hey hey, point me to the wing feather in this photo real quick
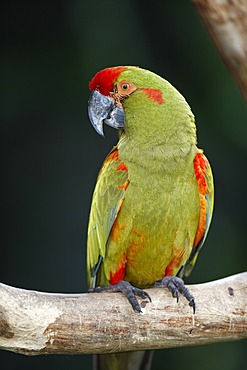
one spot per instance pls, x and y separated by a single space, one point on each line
107 199
204 179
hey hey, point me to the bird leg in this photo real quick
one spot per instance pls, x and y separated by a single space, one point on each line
176 286
127 289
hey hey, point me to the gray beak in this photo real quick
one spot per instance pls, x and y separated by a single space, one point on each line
102 109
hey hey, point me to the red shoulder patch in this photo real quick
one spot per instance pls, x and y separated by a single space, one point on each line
200 167
154 94
122 167
104 80
113 156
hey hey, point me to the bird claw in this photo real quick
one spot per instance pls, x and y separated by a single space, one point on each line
128 290
176 286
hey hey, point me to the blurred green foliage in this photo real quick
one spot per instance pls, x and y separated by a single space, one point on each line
50 154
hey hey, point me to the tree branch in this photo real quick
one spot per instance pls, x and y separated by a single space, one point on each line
226 22
35 323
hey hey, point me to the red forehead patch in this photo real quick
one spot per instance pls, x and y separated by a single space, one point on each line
104 80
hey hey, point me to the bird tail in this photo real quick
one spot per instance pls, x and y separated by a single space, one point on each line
138 360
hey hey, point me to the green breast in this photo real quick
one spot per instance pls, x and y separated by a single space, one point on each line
159 219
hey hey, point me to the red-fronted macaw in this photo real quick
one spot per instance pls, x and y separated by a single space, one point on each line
153 200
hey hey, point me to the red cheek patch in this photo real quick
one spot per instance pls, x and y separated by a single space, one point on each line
154 94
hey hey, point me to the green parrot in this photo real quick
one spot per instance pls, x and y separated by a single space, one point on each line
153 200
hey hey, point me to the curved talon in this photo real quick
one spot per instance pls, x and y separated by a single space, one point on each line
128 290
176 285
141 293
193 305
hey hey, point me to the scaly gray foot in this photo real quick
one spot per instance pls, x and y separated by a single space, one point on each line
127 289
176 287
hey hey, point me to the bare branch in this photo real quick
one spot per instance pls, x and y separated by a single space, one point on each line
35 323
226 22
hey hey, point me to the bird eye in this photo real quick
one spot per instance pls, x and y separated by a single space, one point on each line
125 86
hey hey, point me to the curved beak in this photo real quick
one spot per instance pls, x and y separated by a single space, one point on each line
102 109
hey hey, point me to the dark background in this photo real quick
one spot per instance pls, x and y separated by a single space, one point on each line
50 154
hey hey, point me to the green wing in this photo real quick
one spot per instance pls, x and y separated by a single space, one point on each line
106 203
205 183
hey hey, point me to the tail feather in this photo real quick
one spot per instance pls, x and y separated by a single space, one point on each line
138 360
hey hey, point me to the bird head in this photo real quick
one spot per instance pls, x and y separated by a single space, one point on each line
155 107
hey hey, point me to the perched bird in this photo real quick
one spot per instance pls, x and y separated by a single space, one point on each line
153 200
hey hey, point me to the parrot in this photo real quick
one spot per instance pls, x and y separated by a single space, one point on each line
153 200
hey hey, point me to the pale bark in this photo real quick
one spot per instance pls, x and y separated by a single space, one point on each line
226 22
35 323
